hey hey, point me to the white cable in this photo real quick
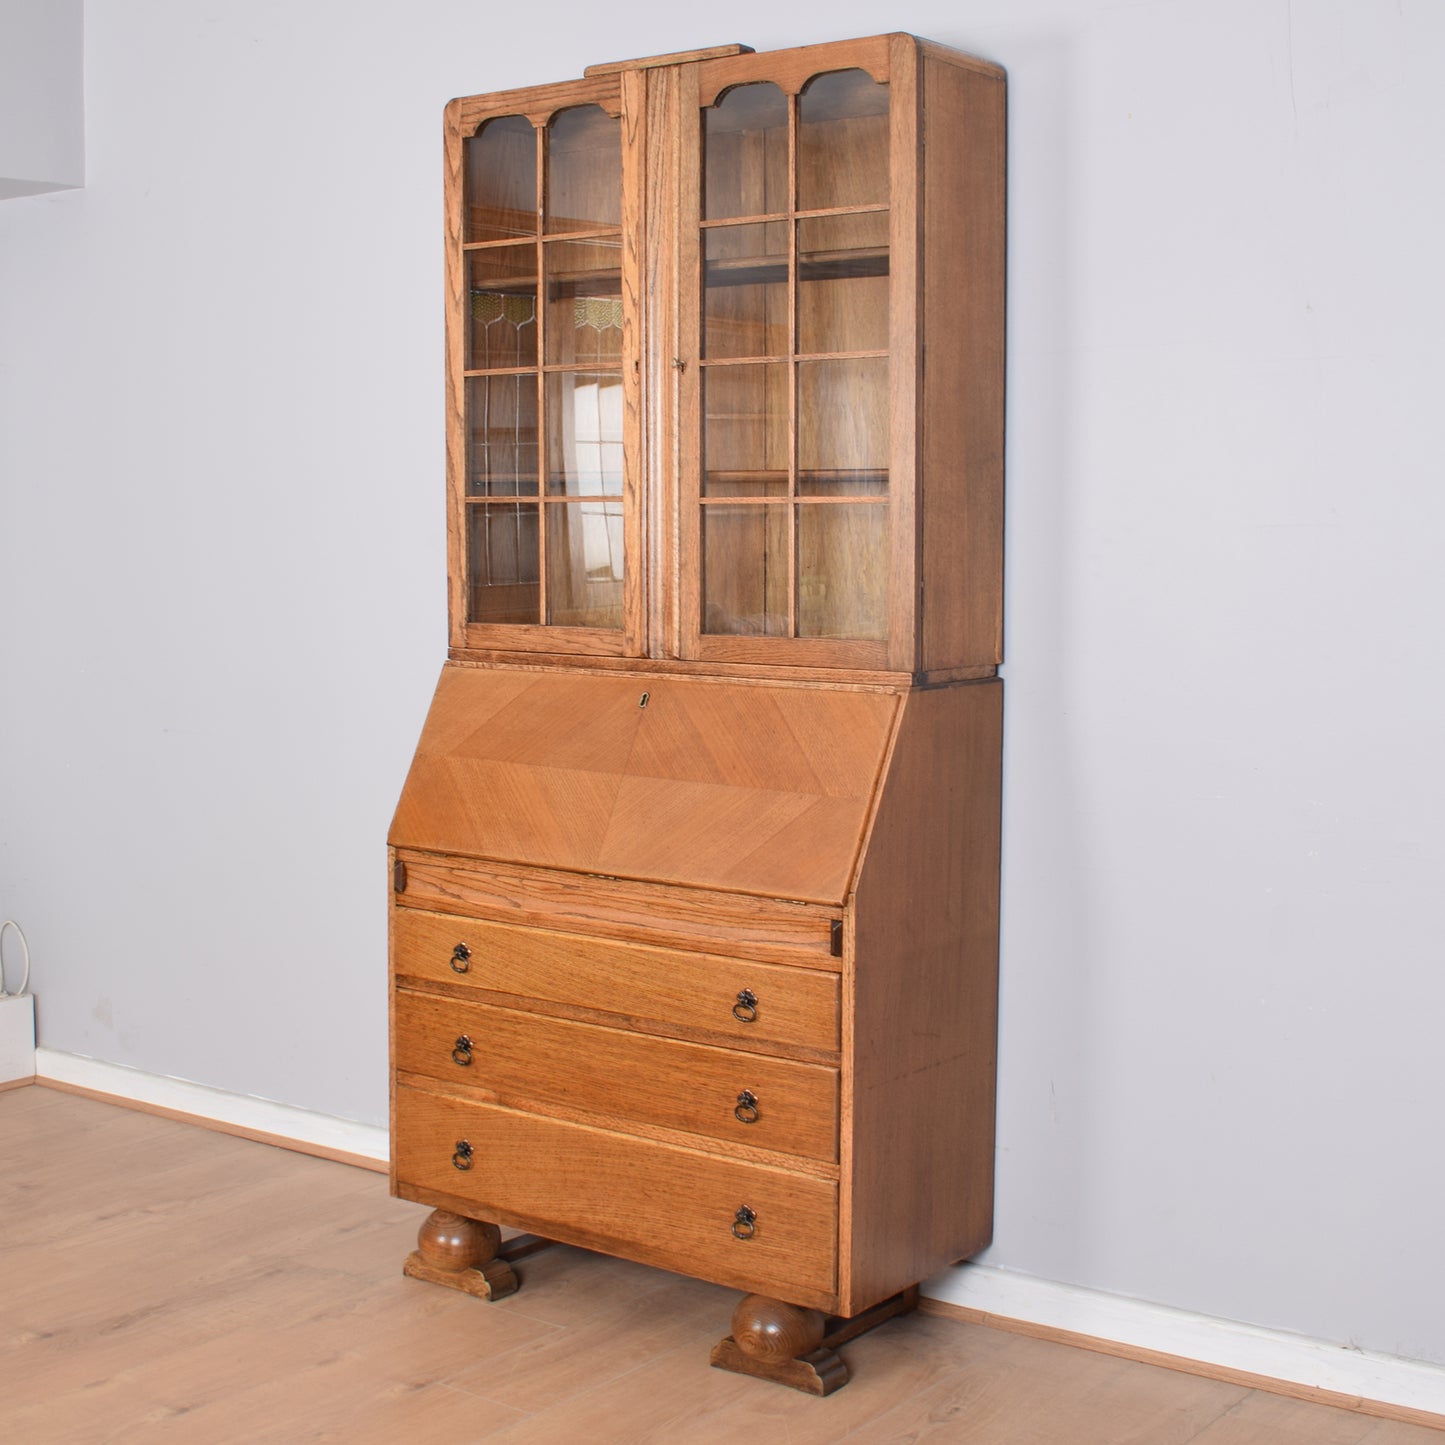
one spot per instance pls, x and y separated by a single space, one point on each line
25 977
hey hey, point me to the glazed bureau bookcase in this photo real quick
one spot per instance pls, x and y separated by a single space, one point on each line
695 872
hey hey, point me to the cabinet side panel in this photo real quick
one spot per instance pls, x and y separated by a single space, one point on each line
924 1022
963 369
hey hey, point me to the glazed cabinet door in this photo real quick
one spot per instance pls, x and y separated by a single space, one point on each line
542 396
797 245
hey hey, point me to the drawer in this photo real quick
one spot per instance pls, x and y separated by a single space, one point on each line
663 987
772 929
531 1061
632 1197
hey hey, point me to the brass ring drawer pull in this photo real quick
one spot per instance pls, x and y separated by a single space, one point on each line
462 1159
745 1223
461 959
462 1052
747 1111
745 1010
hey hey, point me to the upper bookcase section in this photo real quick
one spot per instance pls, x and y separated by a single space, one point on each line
725 358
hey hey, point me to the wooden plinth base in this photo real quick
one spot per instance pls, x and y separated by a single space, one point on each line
467 1254
797 1347
491 1280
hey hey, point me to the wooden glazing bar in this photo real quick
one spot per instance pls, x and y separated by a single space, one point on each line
807 356
610 367
905 114
542 324
802 501
792 364
800 214
636 317
685 618
456 438
600 233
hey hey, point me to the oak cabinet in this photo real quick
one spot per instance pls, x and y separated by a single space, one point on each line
695 871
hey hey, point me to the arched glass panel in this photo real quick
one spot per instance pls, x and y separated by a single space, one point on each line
501 180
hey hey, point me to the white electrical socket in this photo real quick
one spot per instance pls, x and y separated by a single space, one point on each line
17 1037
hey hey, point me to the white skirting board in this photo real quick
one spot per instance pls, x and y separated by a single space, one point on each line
262 1116
1225 1344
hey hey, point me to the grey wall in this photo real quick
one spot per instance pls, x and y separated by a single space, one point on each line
221 594
42 113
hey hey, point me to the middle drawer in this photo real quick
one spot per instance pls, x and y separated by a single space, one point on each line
538 1063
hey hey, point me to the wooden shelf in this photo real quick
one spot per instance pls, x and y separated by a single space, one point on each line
812 266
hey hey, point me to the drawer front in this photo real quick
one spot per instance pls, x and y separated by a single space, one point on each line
632 1197
529 1061
745 1001
687 918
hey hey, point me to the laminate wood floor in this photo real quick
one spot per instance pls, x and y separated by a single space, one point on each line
160 1282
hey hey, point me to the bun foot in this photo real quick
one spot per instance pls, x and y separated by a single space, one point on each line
462 1254
783 1343
797 1347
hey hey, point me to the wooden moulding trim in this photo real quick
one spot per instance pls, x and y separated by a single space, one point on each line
539 103
791 70
931 50
821 651
1315 1394
220 1126
18 1083
676 57
832 678
583 641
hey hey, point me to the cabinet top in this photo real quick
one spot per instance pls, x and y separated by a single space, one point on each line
675 57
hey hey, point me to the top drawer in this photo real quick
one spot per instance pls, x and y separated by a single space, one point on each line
747 1002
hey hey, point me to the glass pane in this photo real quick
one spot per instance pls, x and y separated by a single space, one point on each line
745 151
502 292
842 570
842 422
745 570
843 283
745 426
584 564
584 301
584 170
584 433
502 436
501 180
842 141
745 290
502 563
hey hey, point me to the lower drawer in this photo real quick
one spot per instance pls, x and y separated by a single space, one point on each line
677 1208
745 1001
529 1061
